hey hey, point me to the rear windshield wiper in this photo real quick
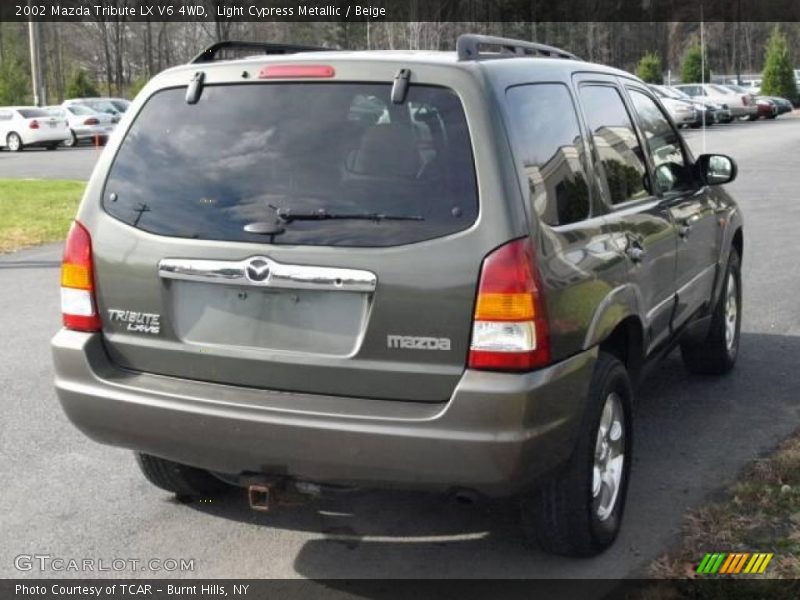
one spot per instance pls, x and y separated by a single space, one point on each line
287 216
284 216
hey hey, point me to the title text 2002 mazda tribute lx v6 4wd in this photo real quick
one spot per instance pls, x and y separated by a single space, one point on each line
427 269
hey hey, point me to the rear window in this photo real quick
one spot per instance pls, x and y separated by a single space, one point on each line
720 89
33 113
120 105
246 154
77 109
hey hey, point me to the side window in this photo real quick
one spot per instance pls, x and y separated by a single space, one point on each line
616 143
549 144
671 169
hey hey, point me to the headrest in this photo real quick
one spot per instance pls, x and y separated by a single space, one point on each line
388 150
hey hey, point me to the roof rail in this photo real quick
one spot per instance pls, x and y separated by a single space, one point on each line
214 51
468 48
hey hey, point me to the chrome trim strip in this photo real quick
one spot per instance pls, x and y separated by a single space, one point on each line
281 276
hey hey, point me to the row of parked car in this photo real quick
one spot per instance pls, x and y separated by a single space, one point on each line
703 104
74 121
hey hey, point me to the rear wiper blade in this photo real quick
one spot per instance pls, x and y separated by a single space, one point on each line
287 216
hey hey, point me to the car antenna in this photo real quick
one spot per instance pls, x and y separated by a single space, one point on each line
195 89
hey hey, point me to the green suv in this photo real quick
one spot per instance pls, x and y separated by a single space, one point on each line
305 269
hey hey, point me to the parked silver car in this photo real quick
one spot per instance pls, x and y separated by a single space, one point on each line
741 105
84 123
718 112
683 112
109 106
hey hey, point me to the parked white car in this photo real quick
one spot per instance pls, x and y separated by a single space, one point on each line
84 123
26 126
740 105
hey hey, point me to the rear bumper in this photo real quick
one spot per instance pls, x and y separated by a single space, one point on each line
744 111
34 137
497 434
92 131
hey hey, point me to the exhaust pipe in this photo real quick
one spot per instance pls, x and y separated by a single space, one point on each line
262 497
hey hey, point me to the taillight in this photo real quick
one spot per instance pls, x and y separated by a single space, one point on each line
510 331
745 100
34 124
296 71
91 121
78 306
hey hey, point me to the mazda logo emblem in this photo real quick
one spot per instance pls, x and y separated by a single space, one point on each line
257 270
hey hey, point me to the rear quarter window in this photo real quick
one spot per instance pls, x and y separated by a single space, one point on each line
548 143
247 152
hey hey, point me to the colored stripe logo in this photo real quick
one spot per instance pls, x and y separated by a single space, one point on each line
734 563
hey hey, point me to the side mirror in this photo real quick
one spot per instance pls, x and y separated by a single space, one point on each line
716 169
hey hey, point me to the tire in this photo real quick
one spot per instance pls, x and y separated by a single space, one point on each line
71 142
14 142
183 481
717 353
563 516
752 118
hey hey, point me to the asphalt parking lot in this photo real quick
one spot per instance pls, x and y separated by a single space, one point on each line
68 497
38 163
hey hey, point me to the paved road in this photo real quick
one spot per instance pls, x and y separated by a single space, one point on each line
70 497
38 163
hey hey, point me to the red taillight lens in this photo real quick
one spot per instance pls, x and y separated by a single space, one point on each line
296 71
510 331
34 124
91 121
745 100
78 306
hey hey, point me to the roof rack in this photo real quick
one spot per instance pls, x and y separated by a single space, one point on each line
468 48
216 51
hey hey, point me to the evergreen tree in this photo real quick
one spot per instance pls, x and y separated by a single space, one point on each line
778 76
649 68
80 85
692 69
14 83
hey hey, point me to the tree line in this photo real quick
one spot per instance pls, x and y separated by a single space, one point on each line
116 57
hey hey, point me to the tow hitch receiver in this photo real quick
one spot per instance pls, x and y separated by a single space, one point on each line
262 497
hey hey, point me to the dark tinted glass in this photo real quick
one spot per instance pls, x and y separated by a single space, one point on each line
615 140
550 146
663 143
33 113
244 152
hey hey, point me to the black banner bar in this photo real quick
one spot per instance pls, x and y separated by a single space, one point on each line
401 10
711 588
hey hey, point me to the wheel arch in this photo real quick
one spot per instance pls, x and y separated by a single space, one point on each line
617 328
